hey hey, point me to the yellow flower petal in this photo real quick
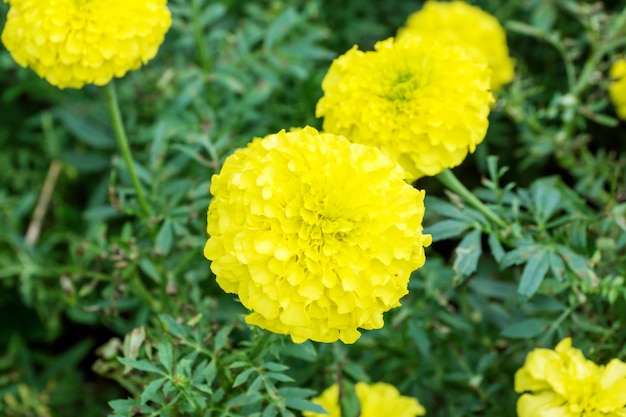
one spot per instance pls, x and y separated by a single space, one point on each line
72 43
332 246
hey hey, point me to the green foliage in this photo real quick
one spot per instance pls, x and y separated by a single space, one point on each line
110 310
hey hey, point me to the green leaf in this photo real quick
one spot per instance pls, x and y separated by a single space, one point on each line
149 392
557 266
79 120
519 255
301 404
496 247
276 367
578 264
525 329
534 272
546 199
296 392
443 208
221 338
305 351
467 254
141 365
280 27
165 354
270 411
85 162
446 229
243 377
279 377
172 326
420 337
165 238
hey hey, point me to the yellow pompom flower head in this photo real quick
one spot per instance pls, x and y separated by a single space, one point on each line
466 25
562 382
376 400
426 103
316 235
72 43
617 88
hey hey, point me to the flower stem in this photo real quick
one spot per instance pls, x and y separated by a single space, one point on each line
122 141
450 180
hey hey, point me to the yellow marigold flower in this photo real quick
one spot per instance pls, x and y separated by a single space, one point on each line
379 399
617 88
466 25
71 43
426 103
318 236
561 382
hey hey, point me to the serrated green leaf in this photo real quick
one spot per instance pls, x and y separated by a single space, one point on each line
557 266
467 254
496 247
546 199
141 365
150 390
221 338
578 264
519 255
446 229
165 354
534 272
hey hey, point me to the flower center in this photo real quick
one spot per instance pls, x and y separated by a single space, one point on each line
403 86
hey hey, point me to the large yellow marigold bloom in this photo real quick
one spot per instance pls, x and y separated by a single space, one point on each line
376 400
617 88
318 236
71 43
426 103
561 382
466 25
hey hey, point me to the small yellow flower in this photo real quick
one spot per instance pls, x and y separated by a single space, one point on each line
617 88
376 400
426 103
466 25
561 382
71 43
317 236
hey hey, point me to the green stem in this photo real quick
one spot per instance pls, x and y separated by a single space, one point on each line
448 179
122 141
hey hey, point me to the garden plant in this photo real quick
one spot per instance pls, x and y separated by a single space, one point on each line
308 208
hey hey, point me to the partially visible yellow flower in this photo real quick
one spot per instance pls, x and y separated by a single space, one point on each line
561 382
617 88
376 400
426 103
71 43
318 236
466 25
